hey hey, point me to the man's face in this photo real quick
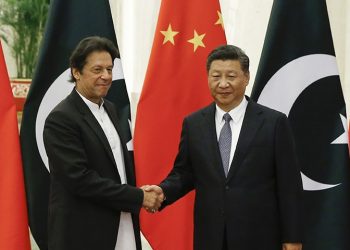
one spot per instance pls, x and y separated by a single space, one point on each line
227 83
95 79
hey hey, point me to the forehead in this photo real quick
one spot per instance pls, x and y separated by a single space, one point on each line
225 65
98 57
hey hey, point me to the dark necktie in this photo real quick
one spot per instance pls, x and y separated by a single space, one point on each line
225 140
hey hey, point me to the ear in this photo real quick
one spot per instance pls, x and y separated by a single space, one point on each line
247 75
76 74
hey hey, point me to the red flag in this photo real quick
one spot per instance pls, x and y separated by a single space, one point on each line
175 85
14 232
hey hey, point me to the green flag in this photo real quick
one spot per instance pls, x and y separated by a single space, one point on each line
298 75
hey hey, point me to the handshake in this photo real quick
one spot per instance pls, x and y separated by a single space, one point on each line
153 197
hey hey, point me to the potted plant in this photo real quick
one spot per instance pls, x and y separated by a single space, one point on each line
21 28
22 24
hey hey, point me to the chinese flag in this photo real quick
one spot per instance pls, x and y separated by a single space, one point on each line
175 85
14 232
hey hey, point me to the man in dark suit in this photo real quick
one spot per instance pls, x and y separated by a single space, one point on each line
240 159
94 203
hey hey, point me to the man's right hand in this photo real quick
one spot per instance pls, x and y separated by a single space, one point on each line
153 197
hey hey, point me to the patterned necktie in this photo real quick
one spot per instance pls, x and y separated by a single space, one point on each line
225 140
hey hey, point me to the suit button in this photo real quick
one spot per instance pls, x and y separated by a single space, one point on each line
227 187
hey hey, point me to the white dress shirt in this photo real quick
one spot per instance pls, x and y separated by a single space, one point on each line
126 237
237 115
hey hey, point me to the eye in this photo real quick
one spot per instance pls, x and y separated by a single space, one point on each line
109 70
96 70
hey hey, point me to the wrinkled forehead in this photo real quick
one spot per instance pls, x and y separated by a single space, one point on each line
227 65
102 58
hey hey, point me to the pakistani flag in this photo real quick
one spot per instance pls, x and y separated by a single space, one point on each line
298 76
69 21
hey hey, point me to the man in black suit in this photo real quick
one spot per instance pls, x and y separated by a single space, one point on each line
94 203
240 159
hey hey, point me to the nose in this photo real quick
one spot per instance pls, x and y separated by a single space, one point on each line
106 74
223 83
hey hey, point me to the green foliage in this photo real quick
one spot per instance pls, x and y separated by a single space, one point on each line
22 25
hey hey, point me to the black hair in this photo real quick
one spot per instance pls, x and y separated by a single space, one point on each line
87 46
229 52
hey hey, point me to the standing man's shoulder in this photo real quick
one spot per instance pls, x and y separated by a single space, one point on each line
66 109
269 112
203 112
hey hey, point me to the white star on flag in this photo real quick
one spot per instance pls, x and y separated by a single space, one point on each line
343 138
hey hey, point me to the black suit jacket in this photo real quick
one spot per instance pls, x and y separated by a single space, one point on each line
258 204
86 195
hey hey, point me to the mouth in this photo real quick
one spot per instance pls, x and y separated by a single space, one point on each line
225 93
104 85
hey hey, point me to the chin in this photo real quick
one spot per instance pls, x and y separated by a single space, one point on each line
225 102
104 93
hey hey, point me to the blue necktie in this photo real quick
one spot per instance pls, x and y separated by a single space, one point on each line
225 140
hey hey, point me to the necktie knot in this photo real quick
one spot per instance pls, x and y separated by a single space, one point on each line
227 117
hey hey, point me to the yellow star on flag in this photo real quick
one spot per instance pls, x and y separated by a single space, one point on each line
197 40
220 21
169 35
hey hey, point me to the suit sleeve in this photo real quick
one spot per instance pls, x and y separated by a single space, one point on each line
180 180
289 186
69 167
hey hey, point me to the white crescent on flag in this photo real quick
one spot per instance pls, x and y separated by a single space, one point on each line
285 86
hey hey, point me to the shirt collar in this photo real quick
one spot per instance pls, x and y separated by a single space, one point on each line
235 113
92 106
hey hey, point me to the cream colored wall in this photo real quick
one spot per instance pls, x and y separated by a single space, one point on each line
10 62
340 24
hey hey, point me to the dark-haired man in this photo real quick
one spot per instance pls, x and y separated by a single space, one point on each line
240 159
94 203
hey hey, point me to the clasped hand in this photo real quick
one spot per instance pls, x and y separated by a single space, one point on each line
153 197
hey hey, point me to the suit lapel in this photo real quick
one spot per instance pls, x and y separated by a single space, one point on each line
93 123
251 123
211 138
